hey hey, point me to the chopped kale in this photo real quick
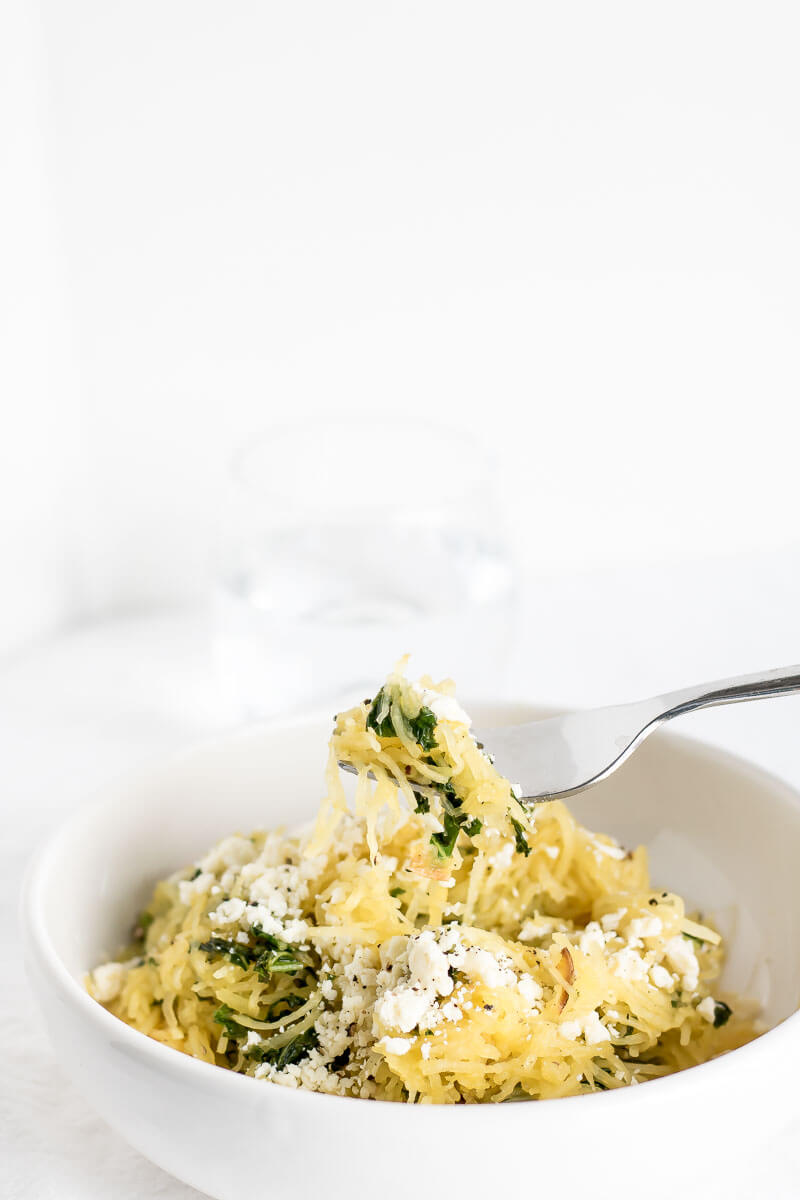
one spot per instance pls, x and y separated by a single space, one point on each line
454 820
520 840
423 727
444 843
240 956
395 892
692 938
341 1060
197 872
268 957
265 939
722 1014
224 1017
277 962
423 803
450 797
295 1050
284 1005
378 717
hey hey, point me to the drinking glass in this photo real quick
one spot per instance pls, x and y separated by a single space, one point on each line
351 543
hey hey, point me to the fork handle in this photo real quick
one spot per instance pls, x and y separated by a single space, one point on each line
782 681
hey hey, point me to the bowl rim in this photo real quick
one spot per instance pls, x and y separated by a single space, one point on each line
38 946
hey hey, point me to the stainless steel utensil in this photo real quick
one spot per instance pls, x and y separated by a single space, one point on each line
557 757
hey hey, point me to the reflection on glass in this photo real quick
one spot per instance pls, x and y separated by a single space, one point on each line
349 544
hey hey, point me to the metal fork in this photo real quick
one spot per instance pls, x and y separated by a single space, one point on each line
557 757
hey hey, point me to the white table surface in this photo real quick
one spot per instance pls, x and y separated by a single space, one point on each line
99 700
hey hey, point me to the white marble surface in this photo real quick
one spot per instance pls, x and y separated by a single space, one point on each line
102 699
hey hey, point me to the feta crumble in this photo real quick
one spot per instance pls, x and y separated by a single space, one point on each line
396 1045
680 955
642 927
227 913
108 981
708 1009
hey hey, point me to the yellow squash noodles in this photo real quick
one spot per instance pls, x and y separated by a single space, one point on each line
431 941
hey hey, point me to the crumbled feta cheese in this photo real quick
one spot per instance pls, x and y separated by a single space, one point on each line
681 956
627 963
228 912
403 1008
594 1031
592 1028
642 927
707 1009
231 852
552 851
190 889
429 959
451 1011
570 1029
271 892
503 858
661 977
253 1039
425 1050
428 964
591 936
532 929
108 981
288 931
396 1045
446 708
487 969
610 921
529 989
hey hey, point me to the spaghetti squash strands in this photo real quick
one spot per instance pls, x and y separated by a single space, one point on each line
428 947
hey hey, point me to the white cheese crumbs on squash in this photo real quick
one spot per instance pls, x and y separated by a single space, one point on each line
707 1009
107 981
681 956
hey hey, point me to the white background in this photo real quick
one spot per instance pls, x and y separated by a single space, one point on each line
570 229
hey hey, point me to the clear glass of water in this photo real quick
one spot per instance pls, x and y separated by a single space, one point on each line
348 544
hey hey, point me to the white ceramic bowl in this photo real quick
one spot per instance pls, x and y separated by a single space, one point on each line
723 833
